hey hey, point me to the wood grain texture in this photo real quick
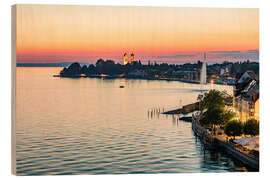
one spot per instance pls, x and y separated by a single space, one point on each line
13 88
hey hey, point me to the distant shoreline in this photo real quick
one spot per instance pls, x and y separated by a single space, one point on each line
61 64
136 78
39 65
133 78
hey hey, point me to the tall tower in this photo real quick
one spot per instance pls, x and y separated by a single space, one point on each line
125 59
131 58
203 70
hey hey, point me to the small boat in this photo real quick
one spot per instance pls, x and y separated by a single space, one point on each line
121 86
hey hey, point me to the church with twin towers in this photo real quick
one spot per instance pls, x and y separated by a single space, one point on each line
128 61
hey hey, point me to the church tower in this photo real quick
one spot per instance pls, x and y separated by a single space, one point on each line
131 58
125 59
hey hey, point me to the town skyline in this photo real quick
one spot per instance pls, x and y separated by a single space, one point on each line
170 34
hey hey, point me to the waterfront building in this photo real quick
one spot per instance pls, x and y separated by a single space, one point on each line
247 109
222 71
185 74
246 96
246 77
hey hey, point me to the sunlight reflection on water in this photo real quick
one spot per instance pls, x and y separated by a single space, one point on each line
91 126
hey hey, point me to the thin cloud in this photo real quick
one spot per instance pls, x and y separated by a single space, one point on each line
244 55
224 52
251 54
178 56
253 51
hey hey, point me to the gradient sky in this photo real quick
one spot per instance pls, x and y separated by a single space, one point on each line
53 33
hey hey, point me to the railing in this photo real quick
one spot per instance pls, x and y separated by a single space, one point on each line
200 131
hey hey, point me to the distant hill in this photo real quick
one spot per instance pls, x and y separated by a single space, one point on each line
61 64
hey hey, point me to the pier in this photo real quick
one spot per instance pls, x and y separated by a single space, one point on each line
185 109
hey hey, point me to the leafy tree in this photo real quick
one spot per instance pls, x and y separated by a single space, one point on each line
228 99
200 98
213 109
228 116
212 117
73 70
91 69
234 128
100 66
84 70
212 99
251 127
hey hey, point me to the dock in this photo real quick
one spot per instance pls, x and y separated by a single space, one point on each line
185 109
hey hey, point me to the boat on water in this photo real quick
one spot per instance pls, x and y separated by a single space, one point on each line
121 86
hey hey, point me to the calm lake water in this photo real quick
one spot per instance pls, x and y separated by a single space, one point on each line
91 126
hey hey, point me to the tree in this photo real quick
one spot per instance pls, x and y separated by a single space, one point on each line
212 99
251 127
92 69
234 128
228 116
84 70
200 98
212 109
212 117
73 70
100 66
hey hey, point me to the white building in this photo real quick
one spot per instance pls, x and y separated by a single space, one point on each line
246 97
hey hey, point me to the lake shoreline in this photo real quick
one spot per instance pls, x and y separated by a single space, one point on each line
99 126
136 78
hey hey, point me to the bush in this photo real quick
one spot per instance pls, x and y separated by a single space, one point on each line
233 128
251 127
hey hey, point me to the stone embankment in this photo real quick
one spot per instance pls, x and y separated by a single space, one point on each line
247 157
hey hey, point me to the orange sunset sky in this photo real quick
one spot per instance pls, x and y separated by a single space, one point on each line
54 33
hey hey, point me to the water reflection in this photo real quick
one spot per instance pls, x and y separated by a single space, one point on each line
213 160
154 113
91 126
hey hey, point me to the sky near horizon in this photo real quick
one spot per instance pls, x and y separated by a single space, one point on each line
55 33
